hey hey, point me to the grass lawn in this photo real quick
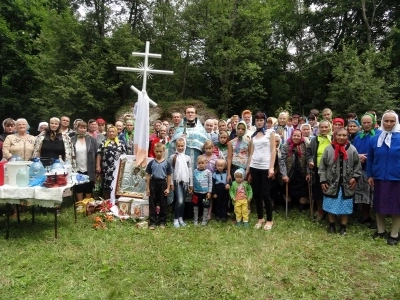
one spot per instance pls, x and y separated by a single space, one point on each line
296 260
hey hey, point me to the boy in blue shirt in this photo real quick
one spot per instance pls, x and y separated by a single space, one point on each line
202 188
220 191
158 181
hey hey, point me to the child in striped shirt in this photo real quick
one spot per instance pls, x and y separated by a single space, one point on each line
202 187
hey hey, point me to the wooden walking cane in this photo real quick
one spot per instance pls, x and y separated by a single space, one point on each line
287 197
311 198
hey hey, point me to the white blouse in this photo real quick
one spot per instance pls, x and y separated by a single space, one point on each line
81 156
261 151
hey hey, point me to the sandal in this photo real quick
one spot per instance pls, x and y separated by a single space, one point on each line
258 225
268 226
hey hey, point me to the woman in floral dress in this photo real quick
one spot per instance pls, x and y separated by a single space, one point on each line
108 154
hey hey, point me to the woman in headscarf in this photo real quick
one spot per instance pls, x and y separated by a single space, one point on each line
364 192
337 123
314 154
260 169
127 136
53 144
339 170
383 173
293 167
353 128
42 127
306 132
108 154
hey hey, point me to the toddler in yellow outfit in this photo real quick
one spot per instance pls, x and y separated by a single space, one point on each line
241 194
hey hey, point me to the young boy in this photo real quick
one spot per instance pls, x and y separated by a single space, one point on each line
158 181
241 195
202 185
220 191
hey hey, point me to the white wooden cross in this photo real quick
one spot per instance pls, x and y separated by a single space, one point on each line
141 137
145 70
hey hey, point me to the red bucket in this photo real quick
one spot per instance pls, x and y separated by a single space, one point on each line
2 163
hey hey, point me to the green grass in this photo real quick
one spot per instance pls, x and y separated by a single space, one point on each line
296 260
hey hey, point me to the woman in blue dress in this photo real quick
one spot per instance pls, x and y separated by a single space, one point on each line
339 170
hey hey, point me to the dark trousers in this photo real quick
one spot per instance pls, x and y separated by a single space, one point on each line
157 197
220 205
260 183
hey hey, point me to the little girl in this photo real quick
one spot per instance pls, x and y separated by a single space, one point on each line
241 194
211 159
222 145
182 180
202 184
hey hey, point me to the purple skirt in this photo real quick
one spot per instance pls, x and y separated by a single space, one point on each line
387 197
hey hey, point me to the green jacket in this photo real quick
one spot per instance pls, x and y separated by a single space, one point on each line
247 187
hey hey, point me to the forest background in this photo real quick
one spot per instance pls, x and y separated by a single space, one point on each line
59 57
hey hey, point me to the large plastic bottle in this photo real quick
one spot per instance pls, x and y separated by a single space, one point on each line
22 179
15 157
36 170
57 165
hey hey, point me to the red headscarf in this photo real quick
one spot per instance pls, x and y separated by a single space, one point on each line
339 148
338 120
292 144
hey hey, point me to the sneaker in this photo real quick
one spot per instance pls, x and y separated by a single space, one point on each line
162 226
217 219
342 231
393 241
183 224
238 223
246 224
176 225
224 220
196 222
380 235
204 223
152 227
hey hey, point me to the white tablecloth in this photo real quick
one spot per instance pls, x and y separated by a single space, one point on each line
46 197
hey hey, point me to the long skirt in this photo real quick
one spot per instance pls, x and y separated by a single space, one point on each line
387 197
339 205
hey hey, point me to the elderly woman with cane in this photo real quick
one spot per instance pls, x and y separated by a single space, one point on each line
339 170
383 160
293 167
314 154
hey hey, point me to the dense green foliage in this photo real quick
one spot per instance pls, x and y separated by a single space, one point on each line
60 56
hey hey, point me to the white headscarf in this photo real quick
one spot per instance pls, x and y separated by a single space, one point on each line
386 136
42 123
181 170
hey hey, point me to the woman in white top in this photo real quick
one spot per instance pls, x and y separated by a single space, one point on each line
85 156
260 167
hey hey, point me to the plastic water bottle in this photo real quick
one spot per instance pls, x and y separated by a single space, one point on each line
15 157
68 169
36 169
22 178
57 165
